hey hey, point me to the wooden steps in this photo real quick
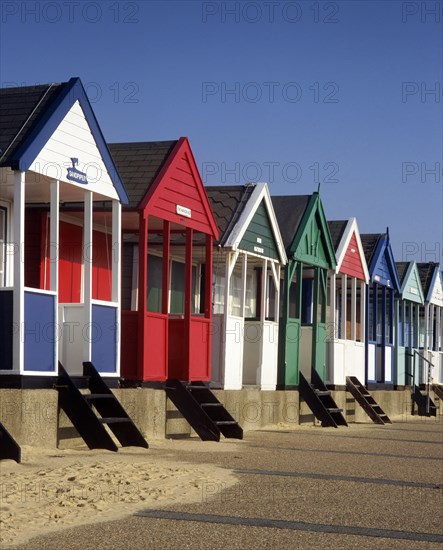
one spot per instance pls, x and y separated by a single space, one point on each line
366 401
204 412
319 399
89 413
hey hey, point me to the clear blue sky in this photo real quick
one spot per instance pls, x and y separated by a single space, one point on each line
336 92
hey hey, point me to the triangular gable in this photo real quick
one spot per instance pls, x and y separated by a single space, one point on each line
312 243
350 255
382 268
68 129
411 288
178 194
258 222
435 294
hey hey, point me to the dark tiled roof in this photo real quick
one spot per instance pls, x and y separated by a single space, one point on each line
369 243
402 268
138 165
20 109
227 203
336 230
289 211
426 272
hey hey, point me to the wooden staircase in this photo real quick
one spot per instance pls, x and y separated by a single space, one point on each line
204 412
366 401
9 448
421 401
319 399
91 412
438 390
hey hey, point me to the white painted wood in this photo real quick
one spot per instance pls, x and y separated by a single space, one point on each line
116 273
353 308
344 293
233 352
268 371
217 338
54 235
389 355
87 279
244 275
372 351
73 139
72 343
362 311
19 272
435 295
333 308
260 192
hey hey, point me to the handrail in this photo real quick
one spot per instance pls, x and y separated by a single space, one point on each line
428 379
424 358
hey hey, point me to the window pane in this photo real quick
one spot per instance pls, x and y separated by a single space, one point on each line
155 272
177 304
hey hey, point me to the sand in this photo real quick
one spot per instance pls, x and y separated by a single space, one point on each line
54 489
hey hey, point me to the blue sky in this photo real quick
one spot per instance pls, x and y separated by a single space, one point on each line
292 93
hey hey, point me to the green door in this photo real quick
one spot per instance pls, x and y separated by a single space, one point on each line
319 322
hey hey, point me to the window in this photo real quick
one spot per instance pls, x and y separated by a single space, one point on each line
155 277
218 293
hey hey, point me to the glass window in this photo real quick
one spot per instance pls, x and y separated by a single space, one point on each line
218 293
155 275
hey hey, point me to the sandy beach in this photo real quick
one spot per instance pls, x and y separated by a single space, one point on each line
54 489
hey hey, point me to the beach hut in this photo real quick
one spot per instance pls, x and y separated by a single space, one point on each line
247 262
302 331
346 311
59 270
408 302
431 323
379 324
168 233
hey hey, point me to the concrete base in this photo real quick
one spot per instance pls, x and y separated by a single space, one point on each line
33 418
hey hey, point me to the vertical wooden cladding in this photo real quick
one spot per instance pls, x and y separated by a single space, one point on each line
179 187
70 260
352 262
259 237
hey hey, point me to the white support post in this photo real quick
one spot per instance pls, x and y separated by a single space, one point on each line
353 309
264 283
54 249
116 274
362 311
227 286
19 273
276 274
344 295
332 308
87 279
243 280
431 327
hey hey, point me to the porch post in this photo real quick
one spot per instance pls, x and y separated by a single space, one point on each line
165 266
87 281
116 275
19 272
353 308
383 335
362 311
243 280
332 316
264 292
142 293
208 278
344 296
188 302
54 250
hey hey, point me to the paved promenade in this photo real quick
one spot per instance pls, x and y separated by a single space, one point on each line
362 487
